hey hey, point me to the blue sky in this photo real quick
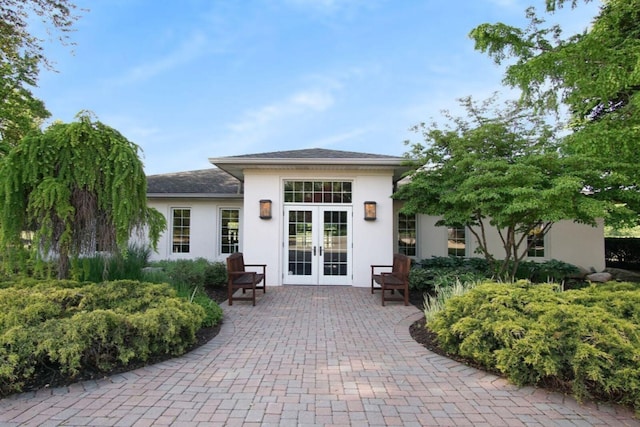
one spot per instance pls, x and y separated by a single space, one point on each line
192 79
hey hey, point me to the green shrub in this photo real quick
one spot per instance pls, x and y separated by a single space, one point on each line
195 272
552 271
535 334
189 277
69 326
451 263
433 304
421 279
607 296
216 274
213 311
428 274
155 275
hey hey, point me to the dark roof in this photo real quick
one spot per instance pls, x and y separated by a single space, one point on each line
200 183
311 158
312 153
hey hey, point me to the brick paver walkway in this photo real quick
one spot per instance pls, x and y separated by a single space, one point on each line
308 356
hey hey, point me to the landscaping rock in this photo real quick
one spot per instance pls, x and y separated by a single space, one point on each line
623 275
580 274
599 277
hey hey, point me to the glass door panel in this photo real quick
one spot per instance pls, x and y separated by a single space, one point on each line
318 245
300 247
336 244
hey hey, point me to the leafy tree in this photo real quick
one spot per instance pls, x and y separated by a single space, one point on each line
596 74
79 186
21 54
497 168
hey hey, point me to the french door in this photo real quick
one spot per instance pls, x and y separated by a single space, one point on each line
318 245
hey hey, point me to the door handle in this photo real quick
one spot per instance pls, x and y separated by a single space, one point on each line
320 250
314 251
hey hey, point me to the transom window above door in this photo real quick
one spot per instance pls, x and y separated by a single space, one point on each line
317 192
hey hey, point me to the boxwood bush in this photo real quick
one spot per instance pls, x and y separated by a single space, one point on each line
72 327
588 339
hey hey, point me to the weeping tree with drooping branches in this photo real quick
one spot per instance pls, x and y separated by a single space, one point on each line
78 187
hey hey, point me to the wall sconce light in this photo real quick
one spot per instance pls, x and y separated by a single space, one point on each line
265 209
369 211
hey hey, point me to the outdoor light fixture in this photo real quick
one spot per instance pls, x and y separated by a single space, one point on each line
369 211
265 209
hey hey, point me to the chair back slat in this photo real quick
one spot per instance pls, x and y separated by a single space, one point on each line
401 266
235 262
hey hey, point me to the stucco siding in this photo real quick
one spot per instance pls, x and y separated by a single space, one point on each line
577 244
204 241
263 237
372 240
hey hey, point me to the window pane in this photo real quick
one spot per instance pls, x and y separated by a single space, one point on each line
229 231
181 230
535 243
407 234
335 192
456 242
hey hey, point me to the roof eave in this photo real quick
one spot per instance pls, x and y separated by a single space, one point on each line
235 166
194 196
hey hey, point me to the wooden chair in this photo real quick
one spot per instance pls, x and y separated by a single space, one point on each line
239 278
390 281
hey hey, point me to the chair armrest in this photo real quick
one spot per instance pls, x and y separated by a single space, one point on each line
263 266
374 266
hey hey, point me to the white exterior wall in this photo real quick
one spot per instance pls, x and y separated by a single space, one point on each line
577 244
372 240
204 228
263 239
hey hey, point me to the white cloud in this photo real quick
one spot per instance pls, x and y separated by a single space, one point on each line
190 49
258 121
339 138
506 3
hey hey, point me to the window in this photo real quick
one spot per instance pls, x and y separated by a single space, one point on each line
317 192
456 242
229 231
181 230
407 234
535 243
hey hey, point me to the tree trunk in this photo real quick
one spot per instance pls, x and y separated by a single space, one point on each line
63 265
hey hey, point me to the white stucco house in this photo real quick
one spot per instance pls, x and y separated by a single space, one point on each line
320 217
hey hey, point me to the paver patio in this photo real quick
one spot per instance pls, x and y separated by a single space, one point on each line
307 356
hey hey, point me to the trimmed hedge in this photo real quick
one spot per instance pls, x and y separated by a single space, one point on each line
70 327
588 339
